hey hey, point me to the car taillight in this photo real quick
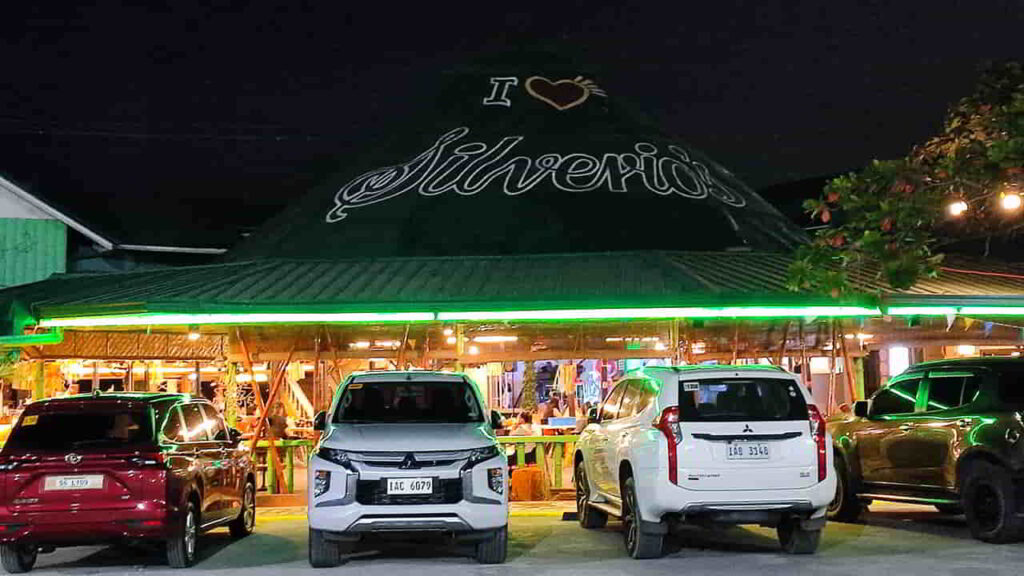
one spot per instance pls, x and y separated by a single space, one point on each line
154 459
668 423
818 433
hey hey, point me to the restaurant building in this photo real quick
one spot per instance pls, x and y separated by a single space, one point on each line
533 231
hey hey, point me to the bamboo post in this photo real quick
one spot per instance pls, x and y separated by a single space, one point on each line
848 367
832 373
262 409
805 368
401 348
735 342
782 347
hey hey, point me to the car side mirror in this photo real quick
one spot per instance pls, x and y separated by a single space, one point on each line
497 421
320 421
592 416
860 408
234 436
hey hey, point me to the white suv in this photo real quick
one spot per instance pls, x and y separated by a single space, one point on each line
407 452
706 445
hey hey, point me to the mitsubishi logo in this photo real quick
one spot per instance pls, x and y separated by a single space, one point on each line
747 428
72 458
409 463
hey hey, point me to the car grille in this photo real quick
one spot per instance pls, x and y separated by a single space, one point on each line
422 459
375 493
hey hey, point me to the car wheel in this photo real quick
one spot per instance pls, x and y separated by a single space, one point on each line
589 517
245 523
494 550
640 544
322 552
845 506
18 558
990 504
181 547
955 509
797 540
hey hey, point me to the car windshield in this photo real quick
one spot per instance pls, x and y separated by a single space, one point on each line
384 401
730 399
74 430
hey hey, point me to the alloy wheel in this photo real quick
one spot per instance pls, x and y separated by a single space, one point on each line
190 534
631 521
249 501
581 489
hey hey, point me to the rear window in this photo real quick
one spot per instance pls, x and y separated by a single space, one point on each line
78 429
408 402
731 399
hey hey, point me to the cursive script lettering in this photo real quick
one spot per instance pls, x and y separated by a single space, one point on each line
467 168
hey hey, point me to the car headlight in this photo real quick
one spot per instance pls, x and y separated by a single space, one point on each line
321 483
339 457
479 455
496 480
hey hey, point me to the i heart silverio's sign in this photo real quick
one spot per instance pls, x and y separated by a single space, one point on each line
455 164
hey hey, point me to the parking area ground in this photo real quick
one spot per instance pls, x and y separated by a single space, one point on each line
902 540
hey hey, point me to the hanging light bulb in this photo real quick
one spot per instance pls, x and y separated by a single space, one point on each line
1010 201
193 332
957 207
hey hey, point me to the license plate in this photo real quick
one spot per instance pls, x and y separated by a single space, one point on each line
747 451
410 485
86 482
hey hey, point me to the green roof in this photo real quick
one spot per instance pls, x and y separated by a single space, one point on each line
529 282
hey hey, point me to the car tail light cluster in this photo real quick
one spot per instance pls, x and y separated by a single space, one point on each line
818 433
668 423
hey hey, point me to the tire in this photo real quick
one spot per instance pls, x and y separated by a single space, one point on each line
181 547
494 550
18 558
322 552
990 504
246 522
796 540
589 517
845 505
640 544
954 509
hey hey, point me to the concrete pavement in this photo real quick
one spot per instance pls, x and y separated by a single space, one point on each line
895 539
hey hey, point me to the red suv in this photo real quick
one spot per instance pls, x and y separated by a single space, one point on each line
114 467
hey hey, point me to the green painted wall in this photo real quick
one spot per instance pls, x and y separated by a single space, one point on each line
31 250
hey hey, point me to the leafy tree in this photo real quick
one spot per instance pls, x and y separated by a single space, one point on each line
894 219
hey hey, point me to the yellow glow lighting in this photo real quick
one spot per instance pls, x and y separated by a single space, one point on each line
495 339
957 207
1010 201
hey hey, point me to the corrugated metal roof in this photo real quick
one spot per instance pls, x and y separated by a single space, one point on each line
471 283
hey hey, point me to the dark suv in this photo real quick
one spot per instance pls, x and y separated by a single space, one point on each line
121 467
944 433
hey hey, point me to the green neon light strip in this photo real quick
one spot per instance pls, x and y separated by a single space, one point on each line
487 315
624 313
44 339
200 319
993 310
922 310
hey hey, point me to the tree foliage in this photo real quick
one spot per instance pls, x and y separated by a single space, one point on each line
892 218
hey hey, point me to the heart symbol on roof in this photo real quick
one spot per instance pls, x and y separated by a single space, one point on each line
562 94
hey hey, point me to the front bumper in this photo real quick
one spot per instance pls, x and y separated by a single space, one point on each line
337 510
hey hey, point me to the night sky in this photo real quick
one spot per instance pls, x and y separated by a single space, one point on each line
216 117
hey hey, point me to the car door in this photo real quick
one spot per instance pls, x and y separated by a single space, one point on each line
599 445
617 431
225 465
943 431
885 445
205 454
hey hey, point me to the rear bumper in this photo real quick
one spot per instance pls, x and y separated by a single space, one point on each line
658 497
80 528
